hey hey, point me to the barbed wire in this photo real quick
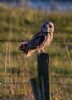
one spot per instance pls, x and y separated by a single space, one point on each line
28 82
65 76
23 41
45 82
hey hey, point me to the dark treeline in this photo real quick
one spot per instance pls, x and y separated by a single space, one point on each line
10 0
35 0
53 0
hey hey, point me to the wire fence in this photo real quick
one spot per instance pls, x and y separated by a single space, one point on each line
56 41
20 88
17 86
53 79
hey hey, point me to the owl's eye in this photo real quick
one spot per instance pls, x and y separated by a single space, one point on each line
50 26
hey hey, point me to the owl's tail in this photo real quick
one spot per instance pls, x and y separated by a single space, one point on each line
23 47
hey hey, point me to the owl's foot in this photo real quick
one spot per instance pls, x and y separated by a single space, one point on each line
40 50
29 53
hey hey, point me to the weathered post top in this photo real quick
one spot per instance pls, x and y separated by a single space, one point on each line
43 65
43 59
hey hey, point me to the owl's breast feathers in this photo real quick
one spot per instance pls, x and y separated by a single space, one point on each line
49 39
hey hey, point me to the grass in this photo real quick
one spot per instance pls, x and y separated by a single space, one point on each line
22 24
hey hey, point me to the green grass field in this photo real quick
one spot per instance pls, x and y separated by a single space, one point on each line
18 24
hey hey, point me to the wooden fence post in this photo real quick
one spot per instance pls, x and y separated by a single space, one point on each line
43 75
36 88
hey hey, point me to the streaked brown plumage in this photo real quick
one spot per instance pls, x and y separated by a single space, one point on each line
38 41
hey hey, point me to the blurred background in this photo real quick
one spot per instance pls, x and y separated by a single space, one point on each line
19 21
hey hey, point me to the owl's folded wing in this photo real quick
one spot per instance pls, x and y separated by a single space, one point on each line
36 41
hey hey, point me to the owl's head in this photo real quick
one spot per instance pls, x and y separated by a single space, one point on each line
47 27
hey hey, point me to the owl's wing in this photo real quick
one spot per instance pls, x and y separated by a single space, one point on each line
39 33
36 41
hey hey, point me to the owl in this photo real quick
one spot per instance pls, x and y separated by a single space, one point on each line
39 41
